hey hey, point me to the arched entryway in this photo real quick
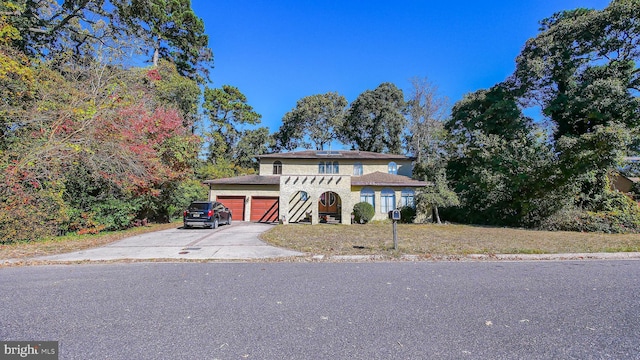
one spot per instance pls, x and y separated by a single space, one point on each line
329 207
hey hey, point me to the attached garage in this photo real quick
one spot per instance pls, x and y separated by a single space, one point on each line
264 209
235 204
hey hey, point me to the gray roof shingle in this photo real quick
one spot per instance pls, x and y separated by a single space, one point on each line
246 180
383 179
334 154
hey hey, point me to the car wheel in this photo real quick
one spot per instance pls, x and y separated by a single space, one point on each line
215 223
229 220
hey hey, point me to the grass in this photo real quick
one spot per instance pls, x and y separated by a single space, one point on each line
72 242
442 240
423 240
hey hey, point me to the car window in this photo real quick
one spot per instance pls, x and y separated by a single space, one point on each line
198 206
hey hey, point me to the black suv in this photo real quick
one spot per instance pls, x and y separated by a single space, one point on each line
206 214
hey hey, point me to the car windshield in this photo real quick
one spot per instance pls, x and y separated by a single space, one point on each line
198 206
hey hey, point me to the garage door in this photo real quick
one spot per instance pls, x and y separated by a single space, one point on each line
264 209
235 204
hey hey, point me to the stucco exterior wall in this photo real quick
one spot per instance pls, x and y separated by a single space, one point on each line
314 186
310 166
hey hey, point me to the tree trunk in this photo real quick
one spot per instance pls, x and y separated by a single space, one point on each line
156 55
437 215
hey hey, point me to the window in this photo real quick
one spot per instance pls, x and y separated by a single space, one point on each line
368 195
393 168
407 198
328 167
357 169
304 196
388 197
331 196
277 168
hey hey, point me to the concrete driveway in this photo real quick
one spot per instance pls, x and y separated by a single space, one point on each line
238 241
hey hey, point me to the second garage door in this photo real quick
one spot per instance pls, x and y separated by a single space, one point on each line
235 204
264 209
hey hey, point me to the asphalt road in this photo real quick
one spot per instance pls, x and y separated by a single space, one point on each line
404 310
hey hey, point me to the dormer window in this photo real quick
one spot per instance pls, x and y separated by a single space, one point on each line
277 168
393 168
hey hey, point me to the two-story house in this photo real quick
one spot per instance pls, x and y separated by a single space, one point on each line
317 185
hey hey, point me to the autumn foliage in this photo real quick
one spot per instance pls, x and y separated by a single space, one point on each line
90 152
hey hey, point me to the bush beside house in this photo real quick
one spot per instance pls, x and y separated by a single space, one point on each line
363 212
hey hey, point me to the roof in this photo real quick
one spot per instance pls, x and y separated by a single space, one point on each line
374 179
334 154
246 180
383 179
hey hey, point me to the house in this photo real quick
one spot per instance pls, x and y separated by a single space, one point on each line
626 184
318 186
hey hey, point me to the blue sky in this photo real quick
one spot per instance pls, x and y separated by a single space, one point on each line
279 51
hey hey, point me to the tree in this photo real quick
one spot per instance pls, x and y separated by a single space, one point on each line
582 70
168 28
51 28
501 169
316 117
375 120
426 137
252 142
436 196
16 79
93 146
229 112
174 90
171 30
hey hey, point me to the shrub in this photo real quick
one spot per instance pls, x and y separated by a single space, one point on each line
363 212
115 214
407 214
589 221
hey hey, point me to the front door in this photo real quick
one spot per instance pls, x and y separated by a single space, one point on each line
328 203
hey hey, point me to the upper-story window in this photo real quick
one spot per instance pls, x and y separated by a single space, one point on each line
393 168
277 168
357 169
328 167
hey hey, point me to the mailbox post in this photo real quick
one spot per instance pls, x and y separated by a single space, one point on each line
395 216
